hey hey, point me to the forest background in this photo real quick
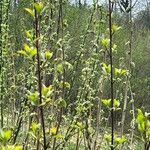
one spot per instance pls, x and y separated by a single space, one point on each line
60 62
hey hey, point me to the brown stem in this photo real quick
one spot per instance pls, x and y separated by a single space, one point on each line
40 109
111 74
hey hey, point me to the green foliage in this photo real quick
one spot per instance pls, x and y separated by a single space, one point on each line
11 147
107 103
30 11
117 140
5 135
28 51
115 28
105 42
143 123
75 71
38 7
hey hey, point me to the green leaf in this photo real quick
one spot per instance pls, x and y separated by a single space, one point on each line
53 130
141 120
115 28
48 55
140 116
148 124
27 48
119 140
47 91
80 125
105 42
141 126
38 7
33 52
106 68
114 48
33 97
29 34
11 147
106 102
120 72
59 68
35 126
107 137
5 135
18 148
30 11
116 103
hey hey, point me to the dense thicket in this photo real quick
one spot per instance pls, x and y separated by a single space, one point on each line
55 74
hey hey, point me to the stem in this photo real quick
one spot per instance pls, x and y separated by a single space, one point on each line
19 122
111 78
1 64
40 109
60 24
77 141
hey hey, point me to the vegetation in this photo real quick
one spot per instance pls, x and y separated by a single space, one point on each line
74 75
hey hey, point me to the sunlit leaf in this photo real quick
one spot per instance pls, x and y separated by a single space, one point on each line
105 42
38 6
106 102
35 126
33 97
53 130
5 135
46 91
30 11
115 28
48 55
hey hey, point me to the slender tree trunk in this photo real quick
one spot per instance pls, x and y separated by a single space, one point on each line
60 24
111 74
40 108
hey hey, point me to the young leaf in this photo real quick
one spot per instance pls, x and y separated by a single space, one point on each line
59 68
107 137
48 55
33 52
30 11
38 6
33 97
140 116
5 135
120 140
115 28
35 127
106 102
46 91
27 48
29 34
105 42
53 130
116 103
